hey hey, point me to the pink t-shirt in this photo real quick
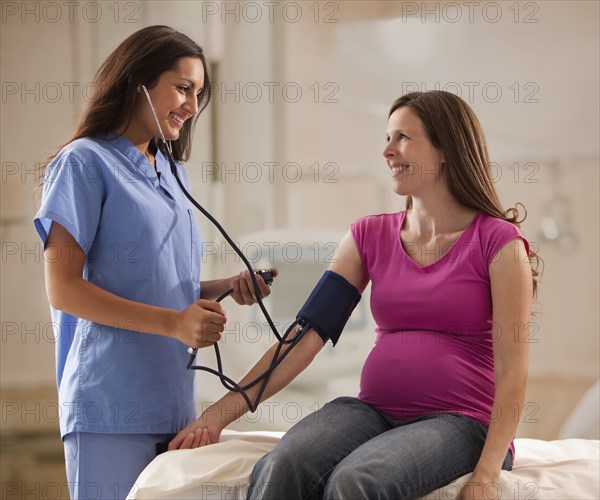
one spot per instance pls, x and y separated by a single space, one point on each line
433 352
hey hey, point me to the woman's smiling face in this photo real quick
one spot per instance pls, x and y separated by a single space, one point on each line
413 160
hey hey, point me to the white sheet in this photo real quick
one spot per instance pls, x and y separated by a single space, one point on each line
565 469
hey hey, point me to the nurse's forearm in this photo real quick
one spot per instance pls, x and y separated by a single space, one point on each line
212 289
85 300
198 325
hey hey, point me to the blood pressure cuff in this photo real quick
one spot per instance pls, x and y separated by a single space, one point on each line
329 306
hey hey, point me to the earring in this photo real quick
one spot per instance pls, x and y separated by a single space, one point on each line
139 89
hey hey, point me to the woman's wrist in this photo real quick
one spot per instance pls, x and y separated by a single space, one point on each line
213 416
487 473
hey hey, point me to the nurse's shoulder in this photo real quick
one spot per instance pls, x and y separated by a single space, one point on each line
88 159
88 149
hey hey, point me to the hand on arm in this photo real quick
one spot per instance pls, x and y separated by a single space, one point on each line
511 287
207 428
199 325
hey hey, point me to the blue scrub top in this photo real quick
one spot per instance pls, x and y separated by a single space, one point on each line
142 243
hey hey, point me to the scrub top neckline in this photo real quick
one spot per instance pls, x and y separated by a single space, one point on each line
125 146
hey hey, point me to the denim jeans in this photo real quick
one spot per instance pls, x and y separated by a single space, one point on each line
350 451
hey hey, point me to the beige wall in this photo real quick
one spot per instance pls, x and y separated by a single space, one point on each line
546 149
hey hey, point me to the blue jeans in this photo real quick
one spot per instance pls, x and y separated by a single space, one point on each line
349 451
105 466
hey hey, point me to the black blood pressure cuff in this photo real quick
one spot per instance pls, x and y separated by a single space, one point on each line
329 306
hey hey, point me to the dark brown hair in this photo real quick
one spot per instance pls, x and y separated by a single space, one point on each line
138 60
454 129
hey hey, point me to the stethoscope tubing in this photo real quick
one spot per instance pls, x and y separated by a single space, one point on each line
227 382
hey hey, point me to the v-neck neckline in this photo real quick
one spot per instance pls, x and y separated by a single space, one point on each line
450 250
139 160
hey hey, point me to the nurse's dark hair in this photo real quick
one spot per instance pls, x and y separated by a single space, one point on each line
454 129
138 60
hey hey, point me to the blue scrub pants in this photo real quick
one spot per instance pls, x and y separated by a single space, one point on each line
349 451
105 466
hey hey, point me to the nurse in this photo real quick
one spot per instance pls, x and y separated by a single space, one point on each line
122 265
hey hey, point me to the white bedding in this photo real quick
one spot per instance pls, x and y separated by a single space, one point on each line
565 469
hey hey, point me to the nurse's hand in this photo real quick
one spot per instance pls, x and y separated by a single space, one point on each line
201 432
243 289
199 325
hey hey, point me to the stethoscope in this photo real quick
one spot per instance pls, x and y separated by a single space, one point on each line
227 382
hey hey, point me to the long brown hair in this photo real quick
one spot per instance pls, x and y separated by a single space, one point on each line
454 129
138 60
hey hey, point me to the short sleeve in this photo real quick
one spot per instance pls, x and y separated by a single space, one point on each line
72 197
499 234
359 230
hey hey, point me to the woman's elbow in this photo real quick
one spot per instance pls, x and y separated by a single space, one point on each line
312 345
515 378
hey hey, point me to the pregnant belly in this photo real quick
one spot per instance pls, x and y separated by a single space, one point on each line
408 374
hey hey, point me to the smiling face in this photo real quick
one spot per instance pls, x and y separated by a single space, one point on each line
175 100
415 164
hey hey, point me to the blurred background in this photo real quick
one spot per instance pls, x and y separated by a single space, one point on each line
288 155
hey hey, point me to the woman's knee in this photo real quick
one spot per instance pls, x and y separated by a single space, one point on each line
348 483
278 465
276 475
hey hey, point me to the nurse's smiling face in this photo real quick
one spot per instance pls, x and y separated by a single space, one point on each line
175 100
